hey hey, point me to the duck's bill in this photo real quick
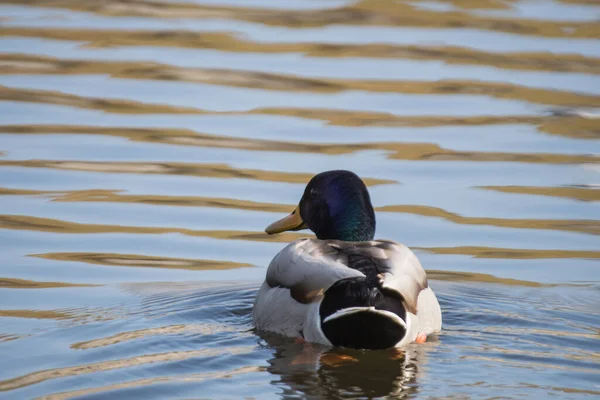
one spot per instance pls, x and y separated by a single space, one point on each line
292 222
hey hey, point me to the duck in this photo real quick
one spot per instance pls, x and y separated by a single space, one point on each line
344 288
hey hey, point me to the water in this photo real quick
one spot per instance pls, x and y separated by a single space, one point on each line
145 146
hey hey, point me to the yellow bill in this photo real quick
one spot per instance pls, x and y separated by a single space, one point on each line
292 222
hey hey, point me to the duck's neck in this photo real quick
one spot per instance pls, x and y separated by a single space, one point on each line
358 233
353 224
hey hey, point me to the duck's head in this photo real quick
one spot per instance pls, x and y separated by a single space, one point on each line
335 205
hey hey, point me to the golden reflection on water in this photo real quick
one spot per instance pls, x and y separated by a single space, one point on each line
397 151
585 226
204 170
135 260
575 127
512 254
24 222
203 329
363 12
113 196
116 196
35 314
535 61
578 193
14 283
21 222
8 337
37 377
138 260
178 379
25 64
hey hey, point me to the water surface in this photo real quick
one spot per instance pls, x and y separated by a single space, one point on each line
144 146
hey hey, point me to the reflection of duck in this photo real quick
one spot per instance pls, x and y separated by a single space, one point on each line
344 288
312 371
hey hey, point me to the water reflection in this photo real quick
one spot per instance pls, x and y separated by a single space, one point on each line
13 283
364 12
138 260
312 371
24 222
548 94
228 42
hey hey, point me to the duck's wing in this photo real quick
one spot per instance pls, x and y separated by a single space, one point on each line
308 267
398 267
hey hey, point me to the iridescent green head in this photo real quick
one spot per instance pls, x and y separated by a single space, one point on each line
335 205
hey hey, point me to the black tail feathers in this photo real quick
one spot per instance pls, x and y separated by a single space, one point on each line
359 313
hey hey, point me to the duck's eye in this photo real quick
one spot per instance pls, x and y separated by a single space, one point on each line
313 193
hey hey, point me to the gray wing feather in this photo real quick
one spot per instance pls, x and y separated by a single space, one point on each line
308 267
403 272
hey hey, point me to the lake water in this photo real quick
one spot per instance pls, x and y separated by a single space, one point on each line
144 147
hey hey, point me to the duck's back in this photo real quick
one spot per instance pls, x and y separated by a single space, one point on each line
352 294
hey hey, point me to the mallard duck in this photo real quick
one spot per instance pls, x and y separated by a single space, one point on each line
344 288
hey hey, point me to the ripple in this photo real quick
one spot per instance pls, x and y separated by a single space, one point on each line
228 42
137 260
178 379
584 226
33 64
395 151
205 170
54 225
361 13
575 127
57 226
577 193
13 283
7 337
203 329
519 254
115 196
36 314
37 377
